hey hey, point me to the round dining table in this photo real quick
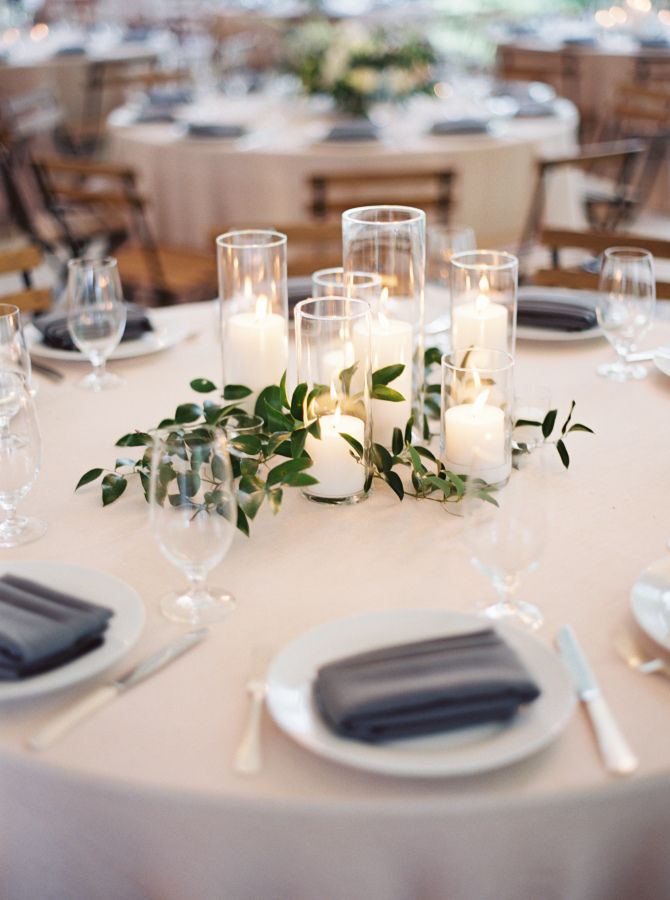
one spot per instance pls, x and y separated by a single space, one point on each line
142 800
198 185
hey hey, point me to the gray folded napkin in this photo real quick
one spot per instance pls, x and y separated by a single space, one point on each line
533 109
169 96
71 50
423 687
154 116
577 41
654 43
56 334
41 628
211 130
355 130
556 315
460 126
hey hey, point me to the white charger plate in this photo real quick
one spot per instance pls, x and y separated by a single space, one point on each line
123 630
662 360
565 295
650 601
164 335
462 752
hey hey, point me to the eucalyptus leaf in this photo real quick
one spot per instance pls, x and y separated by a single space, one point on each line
135 439
564 427
394 482
297 401
236 392
283 398
356 445
382 392
88 477
387 374
563 453
578 427
187 413
397 442
298 439
242 522
279 472
203 385
346 376
549 422
112 487
189 484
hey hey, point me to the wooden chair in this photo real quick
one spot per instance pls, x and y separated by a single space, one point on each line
21 261
560 68
589 245
334 192
150 272
310 246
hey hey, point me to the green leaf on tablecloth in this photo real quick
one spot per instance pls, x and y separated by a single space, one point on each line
298 439
88 477
564 427
218 467
382 458
563 453
135 439
417 465
397 441
549 422
578 427
112 488
242 522
408 430
394 482
203 385
532 422
189 484
187 413
236 392
279 472
247 443
275 497
300 479
353 443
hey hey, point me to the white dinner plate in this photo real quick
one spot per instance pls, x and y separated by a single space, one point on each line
650 601
461 752
122 632
164 335
662 360
528 333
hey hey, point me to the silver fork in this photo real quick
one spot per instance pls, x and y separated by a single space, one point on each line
636 659
248 757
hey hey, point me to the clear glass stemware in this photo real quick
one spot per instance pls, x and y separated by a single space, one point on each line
14 356
193 516
625 306
20 450
96 316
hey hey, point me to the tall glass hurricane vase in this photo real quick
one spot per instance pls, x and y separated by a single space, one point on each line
333 362
625 307
254 307
193 516
96 316
390 241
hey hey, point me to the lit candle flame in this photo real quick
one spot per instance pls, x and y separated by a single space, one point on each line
482 299
480 402
261 306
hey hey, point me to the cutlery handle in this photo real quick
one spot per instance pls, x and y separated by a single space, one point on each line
71 716
248 756
616 753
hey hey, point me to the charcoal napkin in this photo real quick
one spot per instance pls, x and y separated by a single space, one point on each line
41 628
555 315
424 687
55 333
460 126
355 130
214 130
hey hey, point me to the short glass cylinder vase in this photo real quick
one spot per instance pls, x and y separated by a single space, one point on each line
484 300
333 362
477 413
336 283
254 308
390 241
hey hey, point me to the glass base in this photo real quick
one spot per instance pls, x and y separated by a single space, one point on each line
517 611
202 606
95 382
619 371
337 501
21 530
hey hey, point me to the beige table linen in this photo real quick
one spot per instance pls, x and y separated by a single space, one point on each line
141 801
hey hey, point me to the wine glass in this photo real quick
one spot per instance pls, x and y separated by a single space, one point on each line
96 316
193 516
505 531
19 460
14 356
625 306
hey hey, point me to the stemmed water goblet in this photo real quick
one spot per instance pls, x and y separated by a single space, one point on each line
96 316
625 306
193 514
505 531
14 356
20 450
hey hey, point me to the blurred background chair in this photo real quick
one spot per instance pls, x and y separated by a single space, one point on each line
22 261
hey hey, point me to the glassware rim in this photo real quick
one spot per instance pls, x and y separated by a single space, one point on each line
624 253
509 360
299 313
508 260
156 433
95 262
415 215
372 277
13 310
274 239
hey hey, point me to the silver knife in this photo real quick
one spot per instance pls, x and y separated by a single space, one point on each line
617 755
100 696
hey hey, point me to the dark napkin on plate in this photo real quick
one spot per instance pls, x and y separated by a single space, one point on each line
55 333
535 109
460 126
154 116
41 628
214 130
355 130
557 315
423 687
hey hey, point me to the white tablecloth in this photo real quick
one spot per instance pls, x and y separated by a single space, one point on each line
198 185
141 800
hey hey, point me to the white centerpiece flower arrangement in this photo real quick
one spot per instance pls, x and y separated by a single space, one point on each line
357 67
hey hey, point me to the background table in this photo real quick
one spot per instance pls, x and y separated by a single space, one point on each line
198 185
141 800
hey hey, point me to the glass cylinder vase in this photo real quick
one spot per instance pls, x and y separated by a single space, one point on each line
477 413
390 241
335 282
484 299
333 362
254 308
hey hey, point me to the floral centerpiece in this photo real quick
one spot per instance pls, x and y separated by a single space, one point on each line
357 67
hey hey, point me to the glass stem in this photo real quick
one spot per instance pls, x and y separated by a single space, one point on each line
506 588
8 524
196 581
98 368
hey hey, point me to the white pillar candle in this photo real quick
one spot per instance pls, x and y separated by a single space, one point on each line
338 473
392 342
474 440
255 350
479 322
